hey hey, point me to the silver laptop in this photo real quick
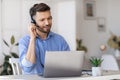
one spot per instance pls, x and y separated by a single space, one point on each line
63 63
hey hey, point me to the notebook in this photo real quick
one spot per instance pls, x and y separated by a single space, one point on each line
63 63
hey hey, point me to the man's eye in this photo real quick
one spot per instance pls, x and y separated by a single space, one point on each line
42 20
50 18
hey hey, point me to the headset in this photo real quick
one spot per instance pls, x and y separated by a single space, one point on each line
33 21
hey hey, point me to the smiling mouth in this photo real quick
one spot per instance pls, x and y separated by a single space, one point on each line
47 27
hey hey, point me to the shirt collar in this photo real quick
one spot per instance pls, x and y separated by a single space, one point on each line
49 35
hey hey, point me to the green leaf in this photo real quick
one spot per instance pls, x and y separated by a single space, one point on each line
80 46
5 43
95 61
7 58
16 44
14 55
12 40
4 72
4 54
7 71
6 65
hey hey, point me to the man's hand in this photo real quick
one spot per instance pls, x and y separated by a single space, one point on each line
32 31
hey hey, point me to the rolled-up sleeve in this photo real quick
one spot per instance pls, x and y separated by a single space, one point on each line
26 63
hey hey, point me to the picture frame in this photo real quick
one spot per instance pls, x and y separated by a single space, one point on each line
89 9
101 24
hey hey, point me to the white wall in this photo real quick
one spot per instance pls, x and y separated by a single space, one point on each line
87 30
114 16
11 25
67 22
1 56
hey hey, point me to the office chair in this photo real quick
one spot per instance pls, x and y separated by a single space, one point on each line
15 66
109 62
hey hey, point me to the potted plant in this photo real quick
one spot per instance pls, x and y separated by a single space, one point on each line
6 66
80 45
96 69
114 42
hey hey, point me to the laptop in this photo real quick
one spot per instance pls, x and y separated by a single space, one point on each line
63 63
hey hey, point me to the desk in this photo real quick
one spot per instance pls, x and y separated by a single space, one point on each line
108 76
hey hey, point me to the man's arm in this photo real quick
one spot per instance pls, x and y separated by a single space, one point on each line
30 56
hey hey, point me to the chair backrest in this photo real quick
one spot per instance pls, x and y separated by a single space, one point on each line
15 66
109 62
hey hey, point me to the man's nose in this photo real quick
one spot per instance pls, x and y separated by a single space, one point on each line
46 22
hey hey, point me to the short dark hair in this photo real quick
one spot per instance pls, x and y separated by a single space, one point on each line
41 7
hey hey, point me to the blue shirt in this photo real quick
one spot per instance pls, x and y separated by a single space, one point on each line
53 42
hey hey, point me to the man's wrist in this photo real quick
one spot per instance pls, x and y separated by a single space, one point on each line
32 39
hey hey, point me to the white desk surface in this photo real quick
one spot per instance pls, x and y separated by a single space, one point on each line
107 76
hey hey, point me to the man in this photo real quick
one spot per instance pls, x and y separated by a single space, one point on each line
32 47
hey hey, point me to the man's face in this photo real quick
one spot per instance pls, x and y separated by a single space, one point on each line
44 21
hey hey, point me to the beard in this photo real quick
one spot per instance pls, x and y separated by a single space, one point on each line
44 29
